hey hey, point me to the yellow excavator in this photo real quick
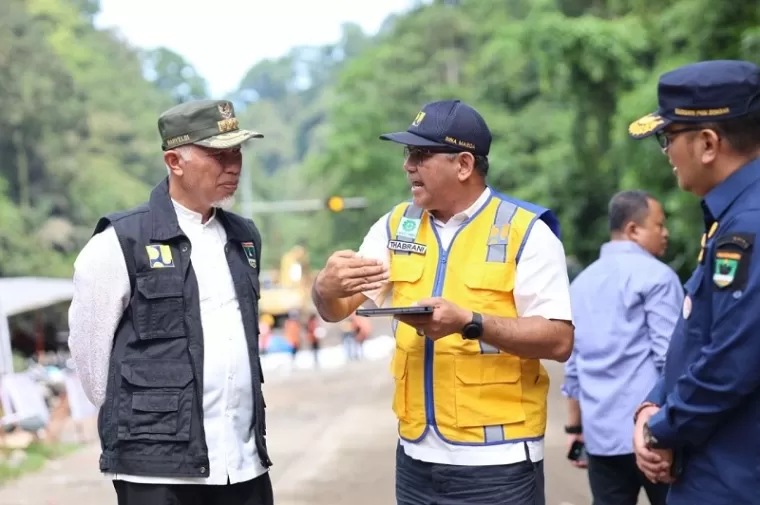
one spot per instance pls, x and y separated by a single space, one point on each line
287 291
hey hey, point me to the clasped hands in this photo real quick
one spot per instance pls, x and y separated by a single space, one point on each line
347 273
654 463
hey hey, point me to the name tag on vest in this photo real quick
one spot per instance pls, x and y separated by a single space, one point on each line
398 245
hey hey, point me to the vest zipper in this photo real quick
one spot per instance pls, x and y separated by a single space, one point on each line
440 274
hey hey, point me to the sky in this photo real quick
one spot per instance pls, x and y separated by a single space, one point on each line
222 39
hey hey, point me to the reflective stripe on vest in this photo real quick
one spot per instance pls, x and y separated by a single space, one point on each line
497 253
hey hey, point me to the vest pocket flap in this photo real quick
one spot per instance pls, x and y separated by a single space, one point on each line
159 306
398 364
487 369
488 390
156 401
399 367
406 268
153 286
490 276
157 374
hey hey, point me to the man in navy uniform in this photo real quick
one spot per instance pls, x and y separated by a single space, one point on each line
699 428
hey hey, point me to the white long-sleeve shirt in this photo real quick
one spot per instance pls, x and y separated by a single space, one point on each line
541 289
101 294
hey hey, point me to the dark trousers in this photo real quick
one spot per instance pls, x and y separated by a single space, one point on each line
420 483
253 492
616 480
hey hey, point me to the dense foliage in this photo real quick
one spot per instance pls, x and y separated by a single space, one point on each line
557 80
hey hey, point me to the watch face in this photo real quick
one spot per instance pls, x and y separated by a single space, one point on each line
471 331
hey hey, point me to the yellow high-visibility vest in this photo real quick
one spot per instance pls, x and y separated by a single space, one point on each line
468 391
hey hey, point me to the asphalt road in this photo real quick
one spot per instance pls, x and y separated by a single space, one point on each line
332 436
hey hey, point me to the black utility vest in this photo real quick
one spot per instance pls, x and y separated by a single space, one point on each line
152 420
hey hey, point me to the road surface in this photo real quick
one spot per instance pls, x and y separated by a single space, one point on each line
332 436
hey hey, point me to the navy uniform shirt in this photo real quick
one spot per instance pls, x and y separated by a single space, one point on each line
710 389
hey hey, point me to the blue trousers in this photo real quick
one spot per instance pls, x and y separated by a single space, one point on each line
421 483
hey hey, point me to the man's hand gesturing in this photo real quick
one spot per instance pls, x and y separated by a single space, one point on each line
346 274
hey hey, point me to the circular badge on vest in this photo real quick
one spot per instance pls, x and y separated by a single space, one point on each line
686 307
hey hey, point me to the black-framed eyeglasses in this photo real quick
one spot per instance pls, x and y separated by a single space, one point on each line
665 138
416 155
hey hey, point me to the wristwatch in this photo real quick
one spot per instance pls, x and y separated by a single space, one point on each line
474 329
575 429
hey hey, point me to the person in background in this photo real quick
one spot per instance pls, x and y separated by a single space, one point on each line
266 322
292 331
362 329
625 307
313 336
348 336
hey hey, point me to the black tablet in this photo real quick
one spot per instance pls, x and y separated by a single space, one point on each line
395 311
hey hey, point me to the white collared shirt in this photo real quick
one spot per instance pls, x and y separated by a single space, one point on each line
541 289
101 294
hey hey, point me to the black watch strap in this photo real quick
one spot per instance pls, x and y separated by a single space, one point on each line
574 429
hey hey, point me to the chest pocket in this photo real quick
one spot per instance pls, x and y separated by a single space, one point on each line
489 287
159 305
406 274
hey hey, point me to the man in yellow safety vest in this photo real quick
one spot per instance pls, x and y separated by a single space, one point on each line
470 390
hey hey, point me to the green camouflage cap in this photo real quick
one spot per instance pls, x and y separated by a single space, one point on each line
207 123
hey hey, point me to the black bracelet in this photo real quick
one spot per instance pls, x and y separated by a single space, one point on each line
574 430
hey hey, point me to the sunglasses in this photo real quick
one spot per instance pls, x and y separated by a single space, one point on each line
417 155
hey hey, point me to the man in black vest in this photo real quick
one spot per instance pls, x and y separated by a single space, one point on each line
164 327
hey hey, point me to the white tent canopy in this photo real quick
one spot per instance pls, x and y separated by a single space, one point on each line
22 294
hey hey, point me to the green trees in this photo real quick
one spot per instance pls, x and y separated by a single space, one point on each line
557 80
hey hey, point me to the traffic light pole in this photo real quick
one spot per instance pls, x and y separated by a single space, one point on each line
359 202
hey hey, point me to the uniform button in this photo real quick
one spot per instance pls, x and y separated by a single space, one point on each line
184 248
203 469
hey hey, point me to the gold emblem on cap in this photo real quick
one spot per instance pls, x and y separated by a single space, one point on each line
227 125
418 119
225 109
645 125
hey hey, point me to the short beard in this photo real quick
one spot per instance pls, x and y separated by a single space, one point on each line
225 203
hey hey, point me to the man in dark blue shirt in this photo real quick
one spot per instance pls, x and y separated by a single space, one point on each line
699 428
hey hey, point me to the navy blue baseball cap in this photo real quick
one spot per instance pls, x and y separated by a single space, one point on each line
447 124
706 91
